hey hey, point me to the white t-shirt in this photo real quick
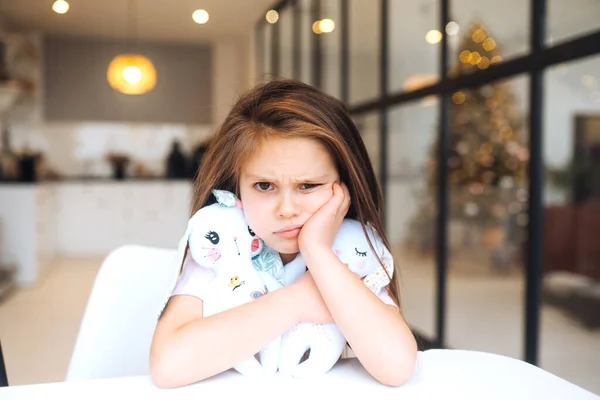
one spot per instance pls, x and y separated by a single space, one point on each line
195 281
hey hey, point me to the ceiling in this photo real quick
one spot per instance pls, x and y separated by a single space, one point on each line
157 20
171 20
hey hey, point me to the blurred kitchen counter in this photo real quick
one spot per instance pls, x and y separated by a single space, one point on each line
83 217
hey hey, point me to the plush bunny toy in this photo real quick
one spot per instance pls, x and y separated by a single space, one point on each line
326 342
219 238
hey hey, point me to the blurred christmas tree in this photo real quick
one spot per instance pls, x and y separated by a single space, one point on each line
488 152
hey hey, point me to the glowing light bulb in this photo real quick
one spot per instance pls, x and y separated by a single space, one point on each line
272 16
200 16
132 74
452 28
326 25
60 7
433 36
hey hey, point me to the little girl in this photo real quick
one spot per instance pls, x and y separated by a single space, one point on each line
298 164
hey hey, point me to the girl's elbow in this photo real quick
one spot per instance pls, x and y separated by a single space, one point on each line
163 370
400 371
162 373
396 379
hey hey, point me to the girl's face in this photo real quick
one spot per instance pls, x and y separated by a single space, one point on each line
282 186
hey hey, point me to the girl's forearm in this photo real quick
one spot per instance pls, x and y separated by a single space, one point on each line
207 346
377 332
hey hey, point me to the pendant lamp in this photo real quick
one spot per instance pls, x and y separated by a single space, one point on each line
131 73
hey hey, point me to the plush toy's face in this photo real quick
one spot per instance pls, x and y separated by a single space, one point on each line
218 235
352 248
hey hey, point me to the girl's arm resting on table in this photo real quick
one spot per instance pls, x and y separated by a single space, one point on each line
187 348
377 332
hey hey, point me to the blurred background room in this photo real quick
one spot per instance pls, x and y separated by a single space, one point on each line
107 106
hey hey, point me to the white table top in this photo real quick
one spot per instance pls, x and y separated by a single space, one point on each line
441 374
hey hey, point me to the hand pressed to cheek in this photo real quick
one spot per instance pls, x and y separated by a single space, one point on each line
322 227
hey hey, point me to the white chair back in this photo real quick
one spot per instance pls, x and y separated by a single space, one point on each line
129 292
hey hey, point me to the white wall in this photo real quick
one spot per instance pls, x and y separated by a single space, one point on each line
229 76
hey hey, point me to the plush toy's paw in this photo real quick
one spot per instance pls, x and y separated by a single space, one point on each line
313 366
250 367
286 370
269 356
325 349
292 349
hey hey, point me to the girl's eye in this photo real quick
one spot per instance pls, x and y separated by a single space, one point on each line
308 185
360 253
262 186
251 232
213 237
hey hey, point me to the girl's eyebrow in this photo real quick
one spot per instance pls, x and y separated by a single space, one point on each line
257 178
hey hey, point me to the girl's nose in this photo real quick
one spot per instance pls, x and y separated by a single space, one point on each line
287 207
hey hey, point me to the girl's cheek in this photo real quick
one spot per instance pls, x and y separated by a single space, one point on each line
318 199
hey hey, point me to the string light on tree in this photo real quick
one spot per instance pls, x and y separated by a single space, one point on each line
478 36
475 58
458 98
464 56
496 59
489 44
484 63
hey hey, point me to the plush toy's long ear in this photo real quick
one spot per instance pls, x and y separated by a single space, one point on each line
183 245
382 275
386 257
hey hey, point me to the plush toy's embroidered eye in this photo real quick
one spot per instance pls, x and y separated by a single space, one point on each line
251 232
360 253
213 237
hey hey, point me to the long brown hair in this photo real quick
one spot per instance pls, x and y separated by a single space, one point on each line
292 109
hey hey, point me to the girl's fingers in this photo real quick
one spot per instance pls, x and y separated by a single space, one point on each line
345 205
337 199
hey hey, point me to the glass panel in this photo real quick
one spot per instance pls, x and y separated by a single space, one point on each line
414 63
486 32
569 19
364 50
305 41
266 32
286 43
488 217
368 126
330 45
410 210
570 314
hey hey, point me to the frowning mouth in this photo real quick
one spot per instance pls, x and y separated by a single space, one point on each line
289 232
